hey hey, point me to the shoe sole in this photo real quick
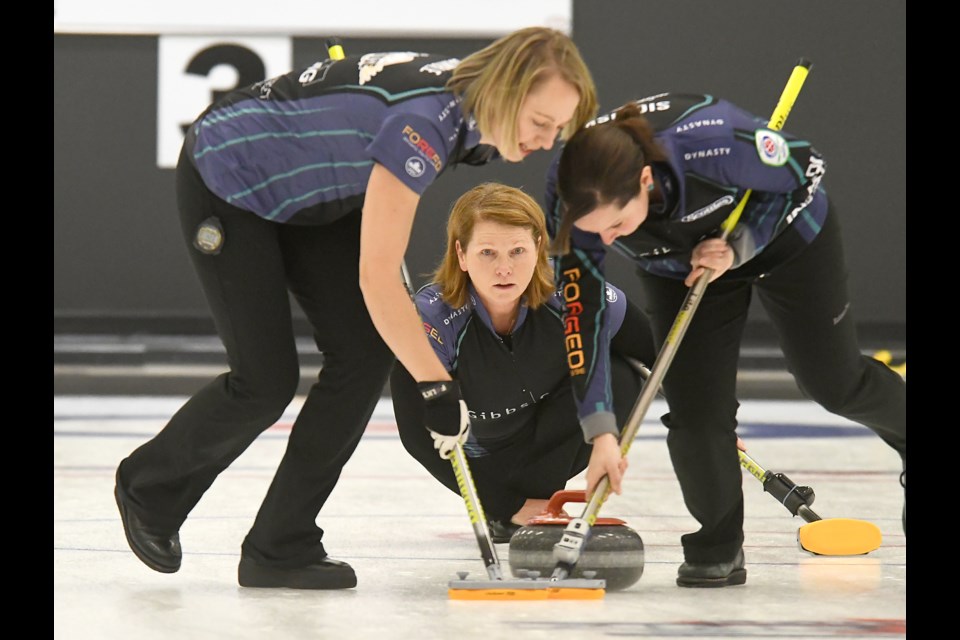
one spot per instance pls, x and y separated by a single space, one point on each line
736 577
133 547
269 578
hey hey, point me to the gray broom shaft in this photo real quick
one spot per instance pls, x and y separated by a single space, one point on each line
649 392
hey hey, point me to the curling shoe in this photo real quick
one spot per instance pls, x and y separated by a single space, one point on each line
323 574
501 532
159 550
720 574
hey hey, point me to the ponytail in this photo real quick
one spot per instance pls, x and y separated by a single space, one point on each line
601 165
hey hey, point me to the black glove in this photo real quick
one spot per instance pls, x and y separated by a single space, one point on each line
445 415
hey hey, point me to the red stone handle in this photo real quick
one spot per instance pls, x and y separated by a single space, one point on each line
555 505
554 514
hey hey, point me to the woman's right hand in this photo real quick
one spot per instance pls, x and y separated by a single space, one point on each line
714 254
606 460
445 415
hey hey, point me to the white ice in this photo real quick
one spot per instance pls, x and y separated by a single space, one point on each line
407 536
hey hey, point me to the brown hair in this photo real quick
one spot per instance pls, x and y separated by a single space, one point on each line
495 80
601 165
503 205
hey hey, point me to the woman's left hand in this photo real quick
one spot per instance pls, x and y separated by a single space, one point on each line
713 254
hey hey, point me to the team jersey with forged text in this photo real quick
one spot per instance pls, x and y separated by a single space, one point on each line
503 379
299 148
715 152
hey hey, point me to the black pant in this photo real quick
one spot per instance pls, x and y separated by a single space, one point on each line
535 463
806 299
247 287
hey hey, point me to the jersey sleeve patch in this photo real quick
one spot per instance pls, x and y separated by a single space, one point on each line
772 148
411 148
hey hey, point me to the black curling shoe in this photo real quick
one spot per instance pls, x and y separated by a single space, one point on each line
720 574
501 532
325 574
159 550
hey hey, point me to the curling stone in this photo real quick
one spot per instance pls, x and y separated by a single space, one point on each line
613 552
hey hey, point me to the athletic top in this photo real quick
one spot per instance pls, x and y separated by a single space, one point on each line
502 378
715 151
299 148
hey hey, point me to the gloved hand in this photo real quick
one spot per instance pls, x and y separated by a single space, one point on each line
445 415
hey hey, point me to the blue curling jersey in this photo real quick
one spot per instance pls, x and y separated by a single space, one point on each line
503 378
299 148
715 152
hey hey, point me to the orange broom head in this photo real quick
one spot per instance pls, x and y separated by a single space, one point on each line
839 537
527 589
545 593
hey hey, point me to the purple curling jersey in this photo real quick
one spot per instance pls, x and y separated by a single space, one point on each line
299 148
715 152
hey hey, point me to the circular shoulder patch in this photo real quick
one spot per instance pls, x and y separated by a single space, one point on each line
772 148
414 167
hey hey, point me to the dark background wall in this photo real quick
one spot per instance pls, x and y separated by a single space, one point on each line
120 263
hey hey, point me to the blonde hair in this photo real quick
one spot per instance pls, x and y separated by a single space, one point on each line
492 202
495 80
